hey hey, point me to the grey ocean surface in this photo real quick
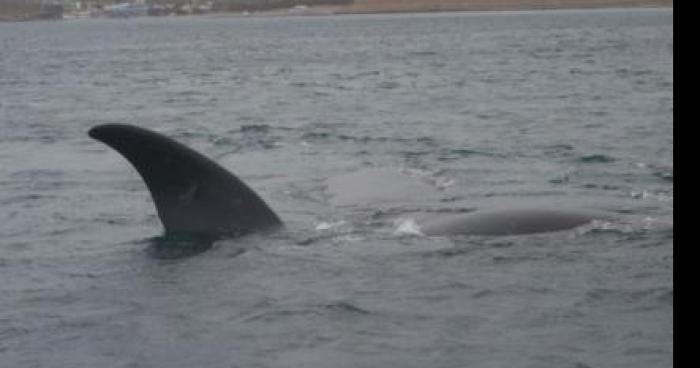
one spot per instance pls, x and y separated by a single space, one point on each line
569 108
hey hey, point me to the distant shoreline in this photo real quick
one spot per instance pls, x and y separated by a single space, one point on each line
413 6
409 6
361 7
422 6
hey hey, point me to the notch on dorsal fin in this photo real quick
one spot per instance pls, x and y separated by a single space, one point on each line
192 193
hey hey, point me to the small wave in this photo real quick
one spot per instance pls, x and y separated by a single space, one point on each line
26 199
249 137
563 177
639 299
327 137
369 73
454 154
423 53
605 226
666 175
255 128
558 149
327 226
407 227
388 85
344 307
661 196
596 159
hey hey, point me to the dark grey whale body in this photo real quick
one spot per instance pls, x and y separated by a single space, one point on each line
193 194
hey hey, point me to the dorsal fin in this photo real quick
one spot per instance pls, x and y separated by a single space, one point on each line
192 193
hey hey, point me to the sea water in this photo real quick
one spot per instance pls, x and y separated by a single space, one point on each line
564 108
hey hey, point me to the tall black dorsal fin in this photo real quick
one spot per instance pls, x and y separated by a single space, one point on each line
192 193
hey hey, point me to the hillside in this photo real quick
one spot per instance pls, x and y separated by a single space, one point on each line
21 10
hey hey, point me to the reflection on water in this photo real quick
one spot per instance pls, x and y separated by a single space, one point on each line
174 246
